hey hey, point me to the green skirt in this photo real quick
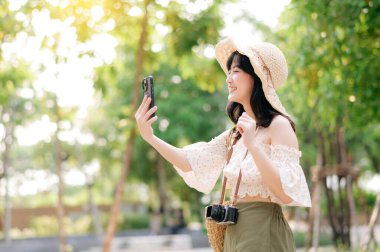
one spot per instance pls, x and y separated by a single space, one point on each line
261 227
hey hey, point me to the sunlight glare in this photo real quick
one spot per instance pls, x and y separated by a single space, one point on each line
74 136
163 3
91 169
157 47
64 3
30 182
54 3
163 124
209 52
42 130
75 177
104 47
21 17
16 5
26 93
67 42
183 2
198 6
109 25
97 13
43 25
369 182
160 15
266 11
135 11
162 29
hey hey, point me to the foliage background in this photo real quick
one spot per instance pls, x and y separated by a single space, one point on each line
88 49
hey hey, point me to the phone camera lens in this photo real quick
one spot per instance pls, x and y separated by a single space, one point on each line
144 85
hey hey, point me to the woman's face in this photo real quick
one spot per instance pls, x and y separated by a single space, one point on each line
240 85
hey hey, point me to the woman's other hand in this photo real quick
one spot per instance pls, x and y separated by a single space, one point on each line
247 128
144 122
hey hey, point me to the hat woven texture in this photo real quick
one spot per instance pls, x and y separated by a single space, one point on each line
267 60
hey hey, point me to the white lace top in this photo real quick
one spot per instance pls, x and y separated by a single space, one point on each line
208 159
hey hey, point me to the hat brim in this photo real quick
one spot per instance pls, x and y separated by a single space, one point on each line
226 47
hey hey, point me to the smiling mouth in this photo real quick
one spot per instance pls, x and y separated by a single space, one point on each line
232 89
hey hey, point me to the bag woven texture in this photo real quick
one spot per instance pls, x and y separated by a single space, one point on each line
215 233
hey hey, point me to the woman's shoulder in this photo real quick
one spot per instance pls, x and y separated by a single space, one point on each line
279 121
281 132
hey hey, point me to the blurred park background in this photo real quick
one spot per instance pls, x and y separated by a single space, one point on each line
76 176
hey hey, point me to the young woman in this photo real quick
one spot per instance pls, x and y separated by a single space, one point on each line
266 151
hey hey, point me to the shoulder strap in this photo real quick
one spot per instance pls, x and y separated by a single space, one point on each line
228 157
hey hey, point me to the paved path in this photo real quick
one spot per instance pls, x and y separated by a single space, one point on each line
137 241
154 243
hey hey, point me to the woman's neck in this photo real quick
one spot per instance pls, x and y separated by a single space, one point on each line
249 111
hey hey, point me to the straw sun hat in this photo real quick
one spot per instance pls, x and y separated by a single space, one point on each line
268 63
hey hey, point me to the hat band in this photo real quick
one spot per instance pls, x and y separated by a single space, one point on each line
264 67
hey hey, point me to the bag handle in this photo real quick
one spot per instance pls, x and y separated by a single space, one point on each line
228 157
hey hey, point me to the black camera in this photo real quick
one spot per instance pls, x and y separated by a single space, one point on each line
225 215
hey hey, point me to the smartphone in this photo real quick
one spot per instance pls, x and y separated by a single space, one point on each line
147 86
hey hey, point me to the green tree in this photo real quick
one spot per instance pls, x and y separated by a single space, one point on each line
332 91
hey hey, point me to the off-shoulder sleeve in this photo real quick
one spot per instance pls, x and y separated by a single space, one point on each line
207 160
292 177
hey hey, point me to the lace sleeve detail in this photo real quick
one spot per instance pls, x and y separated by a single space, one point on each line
292 177
207 160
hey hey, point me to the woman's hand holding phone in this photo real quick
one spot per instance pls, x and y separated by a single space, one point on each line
144 122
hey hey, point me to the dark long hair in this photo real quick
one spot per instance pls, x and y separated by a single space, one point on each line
262 109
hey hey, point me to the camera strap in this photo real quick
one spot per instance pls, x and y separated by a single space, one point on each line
228 157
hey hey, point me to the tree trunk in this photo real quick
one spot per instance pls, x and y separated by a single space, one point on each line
333 215
162 189
316 203
315 211
128 152
372 222
337 202
58 165
351 203
350 216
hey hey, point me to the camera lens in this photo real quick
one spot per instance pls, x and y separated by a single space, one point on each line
144 87
217 212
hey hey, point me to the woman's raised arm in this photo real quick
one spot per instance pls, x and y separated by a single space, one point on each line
172 154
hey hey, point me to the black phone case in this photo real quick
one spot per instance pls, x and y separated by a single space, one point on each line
148 88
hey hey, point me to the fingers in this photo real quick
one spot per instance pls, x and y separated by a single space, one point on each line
140 107
143 107
247 117
149 113
241 131
152 120
242 126
243 119
245 123
146 106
